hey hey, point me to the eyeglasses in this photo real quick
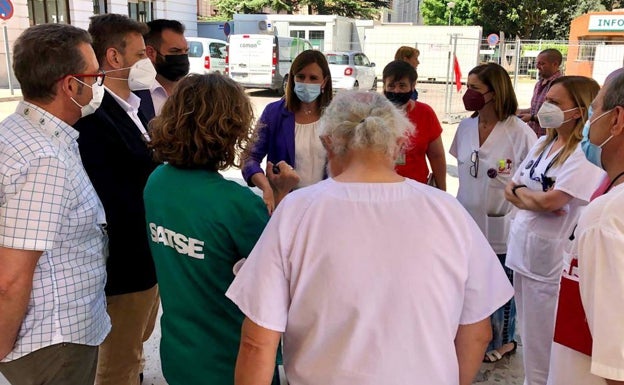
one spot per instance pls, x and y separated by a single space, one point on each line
474 158
99 77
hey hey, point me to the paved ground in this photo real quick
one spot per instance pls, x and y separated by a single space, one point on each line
507 371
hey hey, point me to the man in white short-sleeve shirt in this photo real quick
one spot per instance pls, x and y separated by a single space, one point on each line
600 237
370 283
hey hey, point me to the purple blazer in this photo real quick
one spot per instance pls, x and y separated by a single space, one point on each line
276 139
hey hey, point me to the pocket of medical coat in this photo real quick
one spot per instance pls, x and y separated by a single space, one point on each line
544 257
497 232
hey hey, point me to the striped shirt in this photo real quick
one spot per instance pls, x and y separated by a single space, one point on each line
47 203
539 95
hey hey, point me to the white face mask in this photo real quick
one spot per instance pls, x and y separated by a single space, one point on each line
96 99
142 75
551 116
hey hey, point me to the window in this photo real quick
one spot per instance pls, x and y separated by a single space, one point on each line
48 11
196 49
217 50
299 34
140 10
317 38
99 7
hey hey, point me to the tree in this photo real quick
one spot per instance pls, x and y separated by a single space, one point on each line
365 9
532 19
437 12
348 8
227 8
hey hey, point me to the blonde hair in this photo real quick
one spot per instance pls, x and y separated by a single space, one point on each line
582 90
364 120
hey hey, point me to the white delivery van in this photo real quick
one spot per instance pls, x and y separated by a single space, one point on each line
262 61
206 55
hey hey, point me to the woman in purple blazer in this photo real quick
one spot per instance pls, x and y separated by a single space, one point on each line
287 131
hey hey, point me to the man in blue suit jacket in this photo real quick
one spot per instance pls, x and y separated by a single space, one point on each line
113 147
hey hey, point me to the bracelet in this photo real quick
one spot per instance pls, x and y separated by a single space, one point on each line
514 188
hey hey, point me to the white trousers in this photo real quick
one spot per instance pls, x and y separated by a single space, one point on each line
536 303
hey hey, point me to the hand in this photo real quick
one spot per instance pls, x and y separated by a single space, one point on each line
284 182
509 195
269 199
525 117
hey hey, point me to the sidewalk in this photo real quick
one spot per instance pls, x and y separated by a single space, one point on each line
507 371
7 95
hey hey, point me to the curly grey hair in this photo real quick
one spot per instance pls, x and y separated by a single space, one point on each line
364 120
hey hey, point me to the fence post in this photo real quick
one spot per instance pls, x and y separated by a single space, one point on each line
449 84
8 56
517 66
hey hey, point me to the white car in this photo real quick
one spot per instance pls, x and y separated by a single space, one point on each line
351 70
206 55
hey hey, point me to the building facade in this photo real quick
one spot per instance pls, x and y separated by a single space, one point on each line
596 44
77 12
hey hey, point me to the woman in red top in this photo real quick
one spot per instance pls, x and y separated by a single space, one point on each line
399 80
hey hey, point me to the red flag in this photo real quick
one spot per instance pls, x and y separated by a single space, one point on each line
458 73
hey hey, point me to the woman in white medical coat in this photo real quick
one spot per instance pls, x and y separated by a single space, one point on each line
489 147
550 187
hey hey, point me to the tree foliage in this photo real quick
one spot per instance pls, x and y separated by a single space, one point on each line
349 8
437 12
527 19
365 9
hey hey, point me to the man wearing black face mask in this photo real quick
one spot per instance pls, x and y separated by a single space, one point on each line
399 81
167 48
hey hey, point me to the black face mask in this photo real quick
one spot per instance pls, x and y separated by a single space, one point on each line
172 67
398 98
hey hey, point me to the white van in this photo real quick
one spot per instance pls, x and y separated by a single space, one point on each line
206 55
262 61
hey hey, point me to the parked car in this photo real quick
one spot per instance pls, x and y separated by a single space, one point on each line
351 70
206 55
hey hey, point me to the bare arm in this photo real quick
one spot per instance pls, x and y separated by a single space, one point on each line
437 160
261 181
255 364
17 268
470 344
526 199
551 200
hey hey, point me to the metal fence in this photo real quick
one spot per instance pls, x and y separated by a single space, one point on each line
436 84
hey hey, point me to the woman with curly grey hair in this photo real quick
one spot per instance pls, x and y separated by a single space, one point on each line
370 276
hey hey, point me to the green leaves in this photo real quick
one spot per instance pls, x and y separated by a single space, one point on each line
365 9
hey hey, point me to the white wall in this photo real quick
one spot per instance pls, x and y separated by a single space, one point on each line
80 11
117 6
184 11
15 26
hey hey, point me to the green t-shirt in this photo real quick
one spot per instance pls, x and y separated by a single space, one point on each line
199 226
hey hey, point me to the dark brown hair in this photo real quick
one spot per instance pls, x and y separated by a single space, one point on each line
205 123
156 27
304 59
498 81
110 31
45 53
